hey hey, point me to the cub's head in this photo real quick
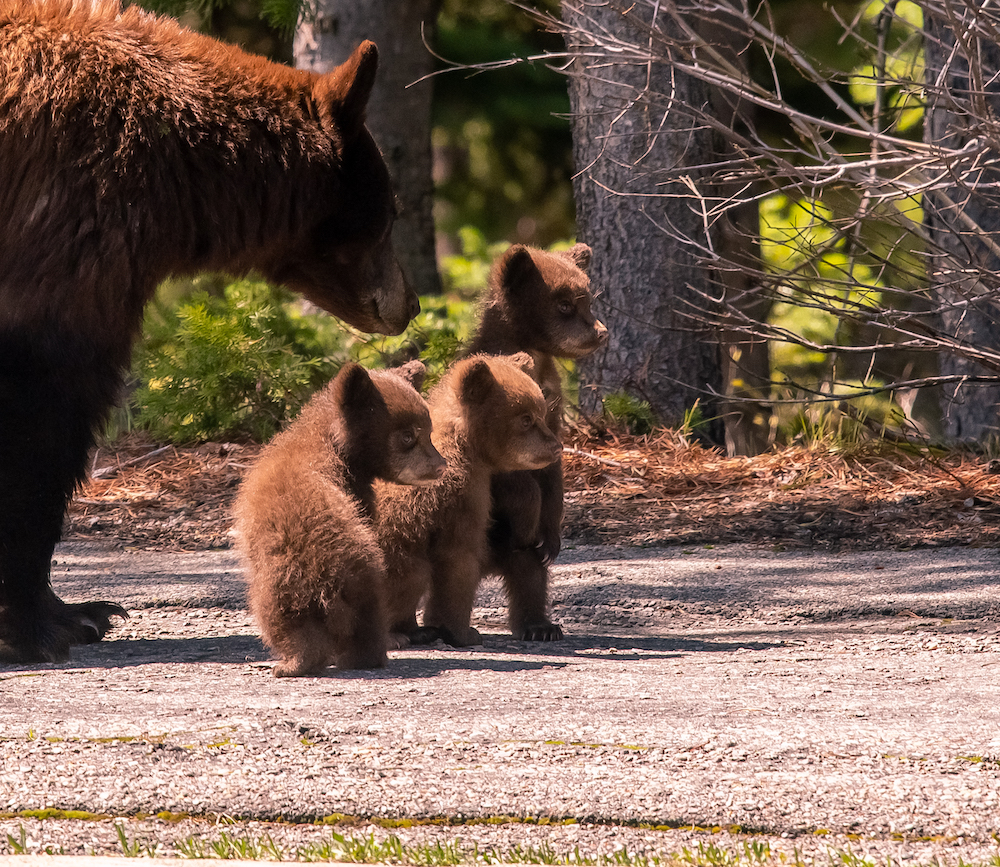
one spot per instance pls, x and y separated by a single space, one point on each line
546 298
343 259
386 424
504 412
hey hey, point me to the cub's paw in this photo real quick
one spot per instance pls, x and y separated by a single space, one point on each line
543 630
398 641
362 661
467 637
423 635
296 668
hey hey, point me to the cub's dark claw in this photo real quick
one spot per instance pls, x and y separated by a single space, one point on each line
544 631
470 639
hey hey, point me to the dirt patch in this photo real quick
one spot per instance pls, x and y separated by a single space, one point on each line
651 490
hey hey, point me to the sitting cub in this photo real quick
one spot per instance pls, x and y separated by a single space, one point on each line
536 302
303 518
489 417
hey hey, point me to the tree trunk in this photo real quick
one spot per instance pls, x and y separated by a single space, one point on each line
399 116
632 137
963 93
746 361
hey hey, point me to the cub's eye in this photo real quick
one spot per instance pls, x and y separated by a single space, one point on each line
407 439
526 422
566 308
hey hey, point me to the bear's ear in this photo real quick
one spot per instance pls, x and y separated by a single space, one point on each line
343 93
353 387
524 361
515 267
413 372
580 254
477 383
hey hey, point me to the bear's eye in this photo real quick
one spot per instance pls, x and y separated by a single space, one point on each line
527 422
566 308
407 439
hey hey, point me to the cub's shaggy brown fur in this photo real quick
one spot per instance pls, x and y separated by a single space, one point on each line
130 150
536 302
489 417
304 511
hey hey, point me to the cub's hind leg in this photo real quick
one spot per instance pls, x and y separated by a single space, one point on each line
305 649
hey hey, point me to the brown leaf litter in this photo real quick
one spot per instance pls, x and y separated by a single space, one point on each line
620 489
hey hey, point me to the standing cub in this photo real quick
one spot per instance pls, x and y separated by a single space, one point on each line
536 302
489 417
303 518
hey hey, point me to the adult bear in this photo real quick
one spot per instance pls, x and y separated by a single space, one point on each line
130 150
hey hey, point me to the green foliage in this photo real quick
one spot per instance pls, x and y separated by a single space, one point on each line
637 415
694 423
282 15
900 71
466 274
445 322
435 336
18 845
239 365
820 285
229 847
824 426
224 360
502 138
134 848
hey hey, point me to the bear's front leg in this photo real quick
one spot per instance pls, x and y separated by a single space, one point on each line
35 625
526 580
50 406
522 560
452 597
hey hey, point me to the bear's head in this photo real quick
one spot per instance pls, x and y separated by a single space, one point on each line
386 425
343 260
545 298
504 411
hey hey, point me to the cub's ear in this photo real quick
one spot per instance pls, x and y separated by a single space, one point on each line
580 254
524 361
477 383
353 388
413 372
515 267
343 93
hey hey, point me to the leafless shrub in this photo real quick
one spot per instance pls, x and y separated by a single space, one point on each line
891 235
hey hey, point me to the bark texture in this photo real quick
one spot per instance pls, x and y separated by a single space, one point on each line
964 220
633 140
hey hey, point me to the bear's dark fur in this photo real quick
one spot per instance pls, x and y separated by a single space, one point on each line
489 417
303 518
131 149
536 302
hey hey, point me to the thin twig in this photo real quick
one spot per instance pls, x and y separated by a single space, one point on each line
110 472
567 450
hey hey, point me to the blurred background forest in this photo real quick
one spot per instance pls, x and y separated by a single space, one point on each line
839 273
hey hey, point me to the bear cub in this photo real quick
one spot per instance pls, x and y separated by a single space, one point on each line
488 417
536 302
303 518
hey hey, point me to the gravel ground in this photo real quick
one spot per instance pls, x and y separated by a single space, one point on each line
814 700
